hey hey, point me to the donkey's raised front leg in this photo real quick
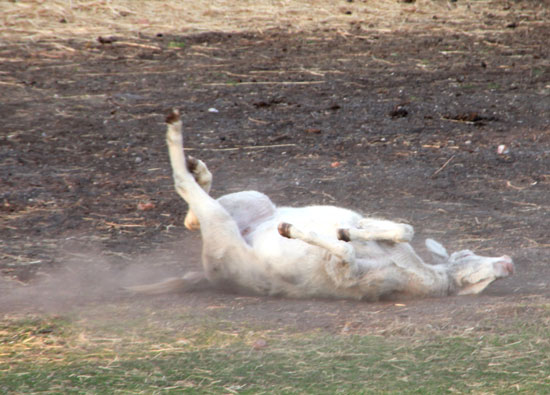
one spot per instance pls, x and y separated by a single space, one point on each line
379 230
341 265
394 268
343 251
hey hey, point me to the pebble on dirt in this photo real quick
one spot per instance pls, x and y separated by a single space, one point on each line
145 206
398 112
503 149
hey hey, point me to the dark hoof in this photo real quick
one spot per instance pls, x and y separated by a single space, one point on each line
284 229
343 234
191 163
173 116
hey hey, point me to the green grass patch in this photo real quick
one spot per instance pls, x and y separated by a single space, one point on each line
177 44
152 355
468 86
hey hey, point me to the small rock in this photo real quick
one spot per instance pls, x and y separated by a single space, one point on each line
398 112
145 206
106 40
313 130
503 149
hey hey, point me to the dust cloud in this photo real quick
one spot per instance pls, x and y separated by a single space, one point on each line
84 278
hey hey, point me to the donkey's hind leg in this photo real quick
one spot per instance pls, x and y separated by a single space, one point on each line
379 230
216 223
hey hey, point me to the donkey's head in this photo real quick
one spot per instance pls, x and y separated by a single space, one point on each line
471 273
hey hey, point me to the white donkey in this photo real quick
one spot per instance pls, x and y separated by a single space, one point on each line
251 246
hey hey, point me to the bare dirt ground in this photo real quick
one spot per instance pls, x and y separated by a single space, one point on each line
401 121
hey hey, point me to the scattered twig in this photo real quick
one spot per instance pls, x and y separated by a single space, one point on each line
265 83
115 225
18 85
250 147
319 73
382 60
329 196
510 185
130 44
258 121
457 120
63 47
443 167
236 75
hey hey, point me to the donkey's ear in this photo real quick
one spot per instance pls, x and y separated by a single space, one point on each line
439 253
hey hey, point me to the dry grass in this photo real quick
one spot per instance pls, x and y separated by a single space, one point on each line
34 20
174 350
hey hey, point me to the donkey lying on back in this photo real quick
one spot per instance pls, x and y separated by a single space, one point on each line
251 246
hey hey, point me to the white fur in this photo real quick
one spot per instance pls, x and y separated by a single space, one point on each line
244 248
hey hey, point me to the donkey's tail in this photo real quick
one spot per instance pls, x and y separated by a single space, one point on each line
192 281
